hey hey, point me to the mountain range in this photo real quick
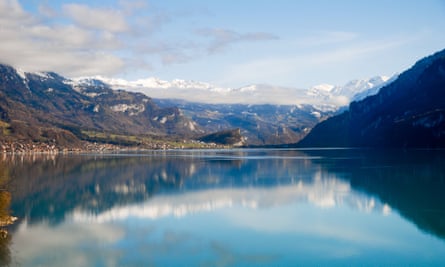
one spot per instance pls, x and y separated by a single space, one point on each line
403 111
265 114
409 112
46 107
325 96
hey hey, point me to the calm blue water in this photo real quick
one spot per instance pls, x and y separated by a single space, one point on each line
228 208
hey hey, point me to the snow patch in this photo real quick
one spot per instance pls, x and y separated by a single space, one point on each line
133 109
43 75
374 86
70 82
324 87
163 120
249 88
156 83
316 114
92 95
191 126
21 73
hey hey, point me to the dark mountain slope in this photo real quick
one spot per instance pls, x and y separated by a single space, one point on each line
227 137
410 112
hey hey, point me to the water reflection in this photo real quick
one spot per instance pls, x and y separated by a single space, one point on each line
49 190
412 182
319 192
229 208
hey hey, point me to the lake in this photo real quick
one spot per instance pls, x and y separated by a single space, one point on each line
245 207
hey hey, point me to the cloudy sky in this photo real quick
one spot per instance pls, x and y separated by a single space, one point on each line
227 43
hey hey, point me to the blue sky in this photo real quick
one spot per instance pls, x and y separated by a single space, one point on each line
227 43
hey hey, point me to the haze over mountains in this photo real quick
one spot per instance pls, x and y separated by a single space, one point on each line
202 92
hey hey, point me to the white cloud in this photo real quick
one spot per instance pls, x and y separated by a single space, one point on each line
190 40
40 47
11 9
32 43
68 36
79 40
222 38
96 18
182 50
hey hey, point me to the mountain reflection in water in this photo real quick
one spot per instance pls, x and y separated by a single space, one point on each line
98 201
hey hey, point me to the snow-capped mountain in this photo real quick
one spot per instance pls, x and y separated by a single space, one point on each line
373 90
265 114
342 95
407 113
331 96
356 86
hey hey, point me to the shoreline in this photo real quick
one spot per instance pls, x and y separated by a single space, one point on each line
29 147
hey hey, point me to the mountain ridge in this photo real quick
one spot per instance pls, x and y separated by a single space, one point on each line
409 112
33 103
203 92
